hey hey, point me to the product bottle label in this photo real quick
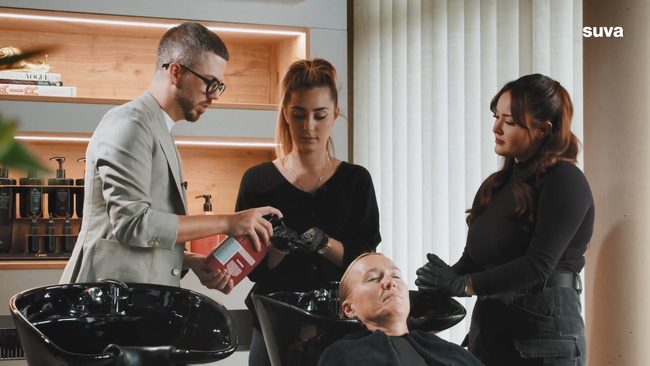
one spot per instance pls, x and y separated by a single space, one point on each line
35 201
5 201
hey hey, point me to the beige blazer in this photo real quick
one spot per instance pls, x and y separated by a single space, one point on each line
133 194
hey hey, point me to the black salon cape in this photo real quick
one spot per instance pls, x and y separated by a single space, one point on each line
375 349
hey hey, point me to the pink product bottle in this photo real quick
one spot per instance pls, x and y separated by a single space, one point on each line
205 246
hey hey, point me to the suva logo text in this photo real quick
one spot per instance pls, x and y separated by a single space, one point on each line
602 32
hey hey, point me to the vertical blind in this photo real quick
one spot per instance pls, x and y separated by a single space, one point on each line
424 72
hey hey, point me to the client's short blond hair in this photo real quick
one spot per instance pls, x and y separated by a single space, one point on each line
345 286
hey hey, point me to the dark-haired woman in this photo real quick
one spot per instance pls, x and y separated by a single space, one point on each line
529 227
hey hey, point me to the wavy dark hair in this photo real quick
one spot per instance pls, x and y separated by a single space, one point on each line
543 100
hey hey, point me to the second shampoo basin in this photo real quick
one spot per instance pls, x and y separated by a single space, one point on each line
298 326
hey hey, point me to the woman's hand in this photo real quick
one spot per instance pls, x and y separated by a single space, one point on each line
436 276
315 239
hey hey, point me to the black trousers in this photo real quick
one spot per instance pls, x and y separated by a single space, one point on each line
529 329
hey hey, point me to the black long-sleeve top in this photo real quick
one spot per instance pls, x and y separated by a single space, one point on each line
505 254
344 207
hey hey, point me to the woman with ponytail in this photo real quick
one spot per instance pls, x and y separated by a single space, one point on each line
529 227
331 202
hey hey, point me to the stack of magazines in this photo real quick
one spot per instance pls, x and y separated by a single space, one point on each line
34 84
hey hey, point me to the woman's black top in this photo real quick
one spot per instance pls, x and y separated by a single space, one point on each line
344 207
506 254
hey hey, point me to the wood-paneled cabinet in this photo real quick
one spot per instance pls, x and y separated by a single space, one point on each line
111 59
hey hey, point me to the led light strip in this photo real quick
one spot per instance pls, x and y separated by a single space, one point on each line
224 143
193 143
144 24
43 138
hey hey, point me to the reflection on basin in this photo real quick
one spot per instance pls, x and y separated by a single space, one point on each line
144 324
298 327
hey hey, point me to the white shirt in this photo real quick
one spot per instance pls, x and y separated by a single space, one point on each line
170 125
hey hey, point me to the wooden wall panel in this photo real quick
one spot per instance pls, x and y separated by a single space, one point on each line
122 68
118 62
217 172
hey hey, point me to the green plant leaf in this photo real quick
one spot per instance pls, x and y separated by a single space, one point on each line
13 153
7 133
19 157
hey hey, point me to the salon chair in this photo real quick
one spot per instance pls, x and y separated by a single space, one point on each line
298 326
118 324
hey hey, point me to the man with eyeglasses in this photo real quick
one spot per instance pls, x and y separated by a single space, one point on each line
135 221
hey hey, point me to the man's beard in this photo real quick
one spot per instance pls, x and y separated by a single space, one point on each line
187 107
183 97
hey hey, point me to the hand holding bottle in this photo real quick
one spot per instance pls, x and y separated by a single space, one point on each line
286 240
312 240
253 224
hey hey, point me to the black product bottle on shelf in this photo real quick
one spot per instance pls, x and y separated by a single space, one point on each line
33 240
60 199
7 209
50 240
31 198
68 240
79 199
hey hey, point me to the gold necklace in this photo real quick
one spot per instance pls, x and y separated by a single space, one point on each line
298 179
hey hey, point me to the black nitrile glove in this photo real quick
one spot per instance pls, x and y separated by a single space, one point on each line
438 277
285 239
315 239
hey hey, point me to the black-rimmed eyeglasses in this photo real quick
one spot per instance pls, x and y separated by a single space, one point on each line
212 86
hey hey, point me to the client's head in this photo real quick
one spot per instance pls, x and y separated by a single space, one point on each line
373 291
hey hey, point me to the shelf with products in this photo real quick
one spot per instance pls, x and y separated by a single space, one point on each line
111 59
212 165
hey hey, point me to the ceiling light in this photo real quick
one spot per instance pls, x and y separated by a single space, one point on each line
143 24
193 143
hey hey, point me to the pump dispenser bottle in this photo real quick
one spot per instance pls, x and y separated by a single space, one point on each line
79 199
7 209
50 239
31 198
206 245
33 240
68 241
60 199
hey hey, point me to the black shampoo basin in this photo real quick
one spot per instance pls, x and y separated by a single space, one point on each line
112 323
298 327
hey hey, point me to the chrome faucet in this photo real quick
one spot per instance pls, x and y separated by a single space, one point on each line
119 295
97 300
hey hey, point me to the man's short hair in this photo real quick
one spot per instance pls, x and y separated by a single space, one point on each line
187 43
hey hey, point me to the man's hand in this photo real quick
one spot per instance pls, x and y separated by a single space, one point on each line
438 277
254 225
215 280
